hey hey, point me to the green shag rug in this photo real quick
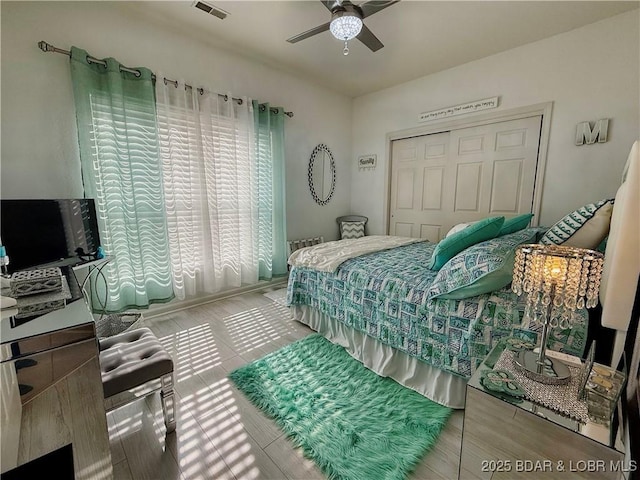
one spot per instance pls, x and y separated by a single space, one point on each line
354 424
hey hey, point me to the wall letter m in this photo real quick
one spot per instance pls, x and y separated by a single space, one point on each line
599 132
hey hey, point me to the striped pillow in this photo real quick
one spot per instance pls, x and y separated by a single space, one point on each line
351 229
584 228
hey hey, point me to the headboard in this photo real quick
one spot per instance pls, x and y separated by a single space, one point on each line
622 256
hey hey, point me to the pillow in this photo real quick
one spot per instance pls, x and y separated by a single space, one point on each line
482 268
448 247
584 228
351 229
512 225
457 228
603 245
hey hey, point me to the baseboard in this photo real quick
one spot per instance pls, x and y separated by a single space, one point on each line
177 305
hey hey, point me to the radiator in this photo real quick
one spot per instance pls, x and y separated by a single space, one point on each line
305 242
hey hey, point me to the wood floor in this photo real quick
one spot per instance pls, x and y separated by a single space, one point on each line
220 435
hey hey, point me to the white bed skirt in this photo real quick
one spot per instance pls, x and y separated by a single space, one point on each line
435 384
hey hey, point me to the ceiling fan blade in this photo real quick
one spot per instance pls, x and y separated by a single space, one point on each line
374 6
329 4
367 37
309 33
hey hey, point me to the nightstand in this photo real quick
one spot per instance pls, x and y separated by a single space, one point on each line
508 438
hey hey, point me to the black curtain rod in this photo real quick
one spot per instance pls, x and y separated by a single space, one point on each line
45 47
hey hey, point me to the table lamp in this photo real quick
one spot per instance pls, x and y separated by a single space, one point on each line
558 281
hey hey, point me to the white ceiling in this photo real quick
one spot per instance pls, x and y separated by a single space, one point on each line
419 37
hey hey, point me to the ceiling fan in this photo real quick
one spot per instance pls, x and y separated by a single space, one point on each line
346 23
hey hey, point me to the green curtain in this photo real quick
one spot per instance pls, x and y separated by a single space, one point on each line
269 132
121 170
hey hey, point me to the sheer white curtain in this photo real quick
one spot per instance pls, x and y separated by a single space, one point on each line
208 151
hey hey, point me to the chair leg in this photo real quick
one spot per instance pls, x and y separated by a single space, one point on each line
168 402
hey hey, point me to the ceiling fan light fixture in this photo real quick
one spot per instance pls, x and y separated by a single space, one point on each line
345 25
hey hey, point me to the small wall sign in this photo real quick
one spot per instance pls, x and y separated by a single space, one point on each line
484 104
584 132
367 161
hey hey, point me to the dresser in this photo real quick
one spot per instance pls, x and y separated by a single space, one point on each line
51 398
508 438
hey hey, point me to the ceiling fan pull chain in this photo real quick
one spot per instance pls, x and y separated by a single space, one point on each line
346 48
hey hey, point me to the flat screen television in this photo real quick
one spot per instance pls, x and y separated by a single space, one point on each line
39 232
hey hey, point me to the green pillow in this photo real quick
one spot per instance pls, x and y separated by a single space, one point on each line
477 232
512 225
481 268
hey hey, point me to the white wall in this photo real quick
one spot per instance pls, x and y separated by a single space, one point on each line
589 73
39 141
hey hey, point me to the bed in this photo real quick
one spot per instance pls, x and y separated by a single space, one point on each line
378 298
379 306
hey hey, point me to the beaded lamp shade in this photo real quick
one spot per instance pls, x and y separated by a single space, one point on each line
346 25
563 278
558 281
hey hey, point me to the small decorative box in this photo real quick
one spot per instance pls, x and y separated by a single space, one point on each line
38 309
29 282
603 388
31 306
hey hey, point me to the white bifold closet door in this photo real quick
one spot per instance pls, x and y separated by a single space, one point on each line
443 179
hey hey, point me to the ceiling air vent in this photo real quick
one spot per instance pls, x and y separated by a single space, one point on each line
210 9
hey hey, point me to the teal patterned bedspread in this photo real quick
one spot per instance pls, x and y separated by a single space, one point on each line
384 295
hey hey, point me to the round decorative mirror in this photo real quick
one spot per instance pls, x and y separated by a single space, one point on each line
322 174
